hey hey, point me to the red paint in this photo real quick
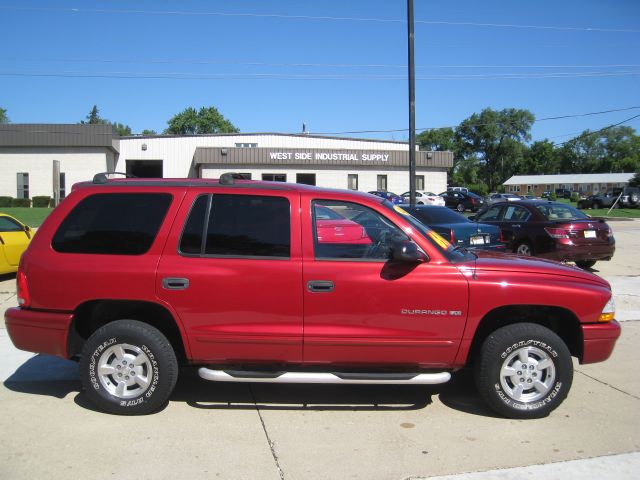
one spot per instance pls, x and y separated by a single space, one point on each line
246 310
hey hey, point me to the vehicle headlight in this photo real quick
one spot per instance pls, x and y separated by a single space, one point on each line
608 312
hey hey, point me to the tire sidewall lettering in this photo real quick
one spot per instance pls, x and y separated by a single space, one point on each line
529 343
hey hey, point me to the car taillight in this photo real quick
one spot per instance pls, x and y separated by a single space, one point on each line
557 232
609 233
453 237
473 201
24 299
364 233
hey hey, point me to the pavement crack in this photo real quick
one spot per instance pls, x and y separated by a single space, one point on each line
608 385
266 434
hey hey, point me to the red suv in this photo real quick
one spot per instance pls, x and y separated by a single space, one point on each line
251 282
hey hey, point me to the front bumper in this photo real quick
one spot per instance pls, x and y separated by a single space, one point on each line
39 332
598 341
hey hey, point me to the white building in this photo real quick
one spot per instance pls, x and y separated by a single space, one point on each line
27 153
585 183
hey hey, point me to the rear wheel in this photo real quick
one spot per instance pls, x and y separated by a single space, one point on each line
128 368
585 264
524 248
524 371
596 205
460 208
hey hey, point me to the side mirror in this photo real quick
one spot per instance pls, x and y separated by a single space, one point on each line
407 251
27 230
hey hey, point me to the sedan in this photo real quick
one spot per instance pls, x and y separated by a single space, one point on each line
498 197
392 197
424 198
458 229
552 230
14 239
462 201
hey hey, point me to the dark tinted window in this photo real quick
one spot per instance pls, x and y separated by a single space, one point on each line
113 224
249 226
491 215
437 215
191 241
9 225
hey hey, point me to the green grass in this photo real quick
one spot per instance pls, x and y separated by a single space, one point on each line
615 213
29 216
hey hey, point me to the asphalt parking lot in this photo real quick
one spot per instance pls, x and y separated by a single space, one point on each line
258 431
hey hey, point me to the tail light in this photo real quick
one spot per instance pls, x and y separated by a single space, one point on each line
453 237
474 201
609 233
501 239
24 298
557 232
364 233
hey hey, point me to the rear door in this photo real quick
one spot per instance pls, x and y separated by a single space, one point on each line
232 271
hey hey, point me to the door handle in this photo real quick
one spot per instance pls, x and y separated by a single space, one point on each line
319 286
516 226
171 283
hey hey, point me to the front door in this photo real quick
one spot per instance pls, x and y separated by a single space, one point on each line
362 309
233 274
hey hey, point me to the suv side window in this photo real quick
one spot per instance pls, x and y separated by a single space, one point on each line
353 232
112 224
238 226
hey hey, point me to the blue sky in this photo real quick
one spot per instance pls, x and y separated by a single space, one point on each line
267 71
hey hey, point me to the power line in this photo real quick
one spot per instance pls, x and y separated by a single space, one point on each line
297 65
291 76
587 134
313 17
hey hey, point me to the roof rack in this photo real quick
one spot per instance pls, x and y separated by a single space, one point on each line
229 178
101 178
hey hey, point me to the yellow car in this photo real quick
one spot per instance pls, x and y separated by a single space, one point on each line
14 239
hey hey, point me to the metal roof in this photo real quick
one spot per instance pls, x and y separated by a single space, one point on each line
227 157
57 135
570 178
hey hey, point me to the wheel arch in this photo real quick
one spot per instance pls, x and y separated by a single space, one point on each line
91 315
557 319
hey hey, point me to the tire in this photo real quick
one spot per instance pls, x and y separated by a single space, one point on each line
585 264
596 205
460 208
634 198
523 248
113 388
516 392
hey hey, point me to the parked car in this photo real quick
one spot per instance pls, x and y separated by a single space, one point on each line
499 197
458 189
528 197
601 200
392 197
563 193
14 240
462 201
424 198
458 229
331 227
551 230
546 194
135 277
630 197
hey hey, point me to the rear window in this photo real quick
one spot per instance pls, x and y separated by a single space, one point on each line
437 215
557 211
238 226
113 224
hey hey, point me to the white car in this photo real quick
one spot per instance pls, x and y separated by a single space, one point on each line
499 197
425 198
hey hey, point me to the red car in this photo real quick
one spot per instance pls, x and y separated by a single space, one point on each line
249 282
552 230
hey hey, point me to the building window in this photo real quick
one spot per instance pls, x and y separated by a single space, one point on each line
352 181
245 176
63 186
23 185
274 177
246 145
419 182
530 188
382 183
306 178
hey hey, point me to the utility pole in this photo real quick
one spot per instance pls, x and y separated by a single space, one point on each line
412 107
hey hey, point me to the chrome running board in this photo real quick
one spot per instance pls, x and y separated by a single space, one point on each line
318 377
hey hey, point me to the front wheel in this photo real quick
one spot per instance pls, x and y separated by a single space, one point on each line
524 371
128 368
524 248
585 264
460 208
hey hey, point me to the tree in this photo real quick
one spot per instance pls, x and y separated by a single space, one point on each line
149 132
93 118
540 159
122 130
205 120
3 116
495 139
635 180
438 139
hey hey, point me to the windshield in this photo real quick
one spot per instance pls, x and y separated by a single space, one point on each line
559 211
453 254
